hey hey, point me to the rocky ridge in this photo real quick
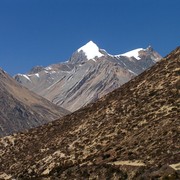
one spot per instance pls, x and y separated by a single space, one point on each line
89 74
22 109
131 133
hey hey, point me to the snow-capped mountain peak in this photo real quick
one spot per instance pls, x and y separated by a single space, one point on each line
89 74
91 50
133 53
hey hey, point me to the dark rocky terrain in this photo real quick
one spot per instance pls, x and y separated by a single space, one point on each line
89 74
22 109
131 133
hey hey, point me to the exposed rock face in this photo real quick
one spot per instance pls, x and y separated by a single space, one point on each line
22 109
131 133
89 74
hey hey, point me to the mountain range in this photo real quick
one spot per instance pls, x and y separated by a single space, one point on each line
22 109
89 74
130 133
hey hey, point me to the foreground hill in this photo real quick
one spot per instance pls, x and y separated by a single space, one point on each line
89 74
131 133
22 109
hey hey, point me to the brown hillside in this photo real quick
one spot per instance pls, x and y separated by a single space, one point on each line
131 133
21 109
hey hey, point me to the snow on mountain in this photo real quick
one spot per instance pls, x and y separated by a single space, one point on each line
37 74
134 53
91 50
48 68
84 78
25 76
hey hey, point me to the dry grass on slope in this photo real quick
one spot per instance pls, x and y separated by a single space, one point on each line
137 123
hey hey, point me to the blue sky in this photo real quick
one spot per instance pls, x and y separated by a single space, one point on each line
43 32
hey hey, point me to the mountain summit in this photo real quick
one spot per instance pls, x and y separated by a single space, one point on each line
91 50
89 74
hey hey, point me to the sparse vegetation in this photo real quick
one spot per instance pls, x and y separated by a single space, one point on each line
131 133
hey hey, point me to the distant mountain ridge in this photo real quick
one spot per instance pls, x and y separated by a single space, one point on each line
89 74
22 109
131 133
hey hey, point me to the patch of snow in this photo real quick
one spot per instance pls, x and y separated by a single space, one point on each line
37 74
48 68
93 60
26 77
107 53
91 50
123 63
132 71
110 55
133 53
68 66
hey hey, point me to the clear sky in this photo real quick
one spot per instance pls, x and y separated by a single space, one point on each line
43 32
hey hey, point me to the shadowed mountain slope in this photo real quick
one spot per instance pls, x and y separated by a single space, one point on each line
22 109
131 133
